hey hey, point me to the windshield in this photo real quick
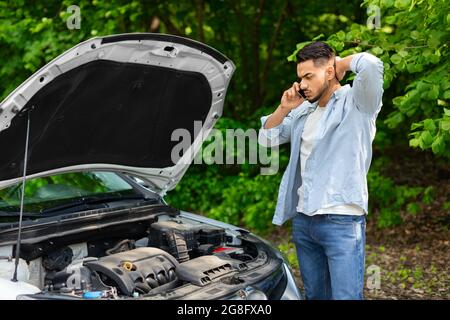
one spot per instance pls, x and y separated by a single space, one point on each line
49 192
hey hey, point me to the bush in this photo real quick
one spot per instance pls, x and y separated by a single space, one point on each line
387 200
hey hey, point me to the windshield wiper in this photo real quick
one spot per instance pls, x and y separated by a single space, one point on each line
89 201
6 214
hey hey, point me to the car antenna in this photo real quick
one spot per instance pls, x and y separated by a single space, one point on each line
22 197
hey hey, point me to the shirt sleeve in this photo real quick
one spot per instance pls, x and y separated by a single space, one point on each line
368 83
276 135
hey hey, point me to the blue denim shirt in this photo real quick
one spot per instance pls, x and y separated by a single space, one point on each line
336 170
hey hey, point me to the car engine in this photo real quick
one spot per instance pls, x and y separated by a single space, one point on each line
174 253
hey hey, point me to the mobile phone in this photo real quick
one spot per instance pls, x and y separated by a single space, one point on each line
302 94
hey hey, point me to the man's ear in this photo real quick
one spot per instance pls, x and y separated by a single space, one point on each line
329 72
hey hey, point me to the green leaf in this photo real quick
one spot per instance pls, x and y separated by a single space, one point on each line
434 58
415 35
438 145
434 39
397 101
377 51
422 86
336 45
433 94
447 94
394 119
414 126
318 37
411 67
426 138
447 112
429 125
414 143
445 125
402 53
387 3
396 59
341 35
402 4
427 53
300 45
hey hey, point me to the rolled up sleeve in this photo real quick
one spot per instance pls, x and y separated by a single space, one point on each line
276 135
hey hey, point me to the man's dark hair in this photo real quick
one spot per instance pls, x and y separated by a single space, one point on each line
319 52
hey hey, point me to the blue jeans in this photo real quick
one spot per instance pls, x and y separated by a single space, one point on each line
331 254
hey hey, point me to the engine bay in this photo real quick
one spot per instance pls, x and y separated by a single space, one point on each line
168 257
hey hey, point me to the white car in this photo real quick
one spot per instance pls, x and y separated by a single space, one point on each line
89 134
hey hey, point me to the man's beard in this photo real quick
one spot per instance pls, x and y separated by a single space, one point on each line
324 89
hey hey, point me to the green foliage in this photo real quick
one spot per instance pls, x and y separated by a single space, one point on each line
446 205
249 202
428 195
387 200
87 182
413 208
289 251
242 200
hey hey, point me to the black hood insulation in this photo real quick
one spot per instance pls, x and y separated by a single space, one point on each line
106 112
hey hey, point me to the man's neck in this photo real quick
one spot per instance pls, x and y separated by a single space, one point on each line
327 95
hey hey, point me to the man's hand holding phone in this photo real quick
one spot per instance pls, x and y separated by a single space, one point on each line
292 97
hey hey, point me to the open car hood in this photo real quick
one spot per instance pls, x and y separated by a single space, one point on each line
112 103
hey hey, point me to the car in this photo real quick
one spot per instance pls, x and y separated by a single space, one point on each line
86 163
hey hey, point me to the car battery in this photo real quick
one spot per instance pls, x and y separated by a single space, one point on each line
211 235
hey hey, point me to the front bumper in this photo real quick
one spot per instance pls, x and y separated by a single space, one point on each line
272 288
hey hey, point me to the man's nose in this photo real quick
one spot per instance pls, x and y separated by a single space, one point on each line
302 85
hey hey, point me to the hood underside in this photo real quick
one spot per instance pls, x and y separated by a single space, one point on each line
114 103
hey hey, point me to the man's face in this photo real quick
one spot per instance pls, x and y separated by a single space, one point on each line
313 79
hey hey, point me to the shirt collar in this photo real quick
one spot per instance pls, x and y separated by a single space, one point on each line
340 92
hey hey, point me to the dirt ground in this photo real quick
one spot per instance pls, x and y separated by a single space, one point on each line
414 258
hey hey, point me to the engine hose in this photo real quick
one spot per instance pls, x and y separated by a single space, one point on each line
117 247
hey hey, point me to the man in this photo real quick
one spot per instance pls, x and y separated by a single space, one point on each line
324 187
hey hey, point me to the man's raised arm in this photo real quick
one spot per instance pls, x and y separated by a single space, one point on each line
368 83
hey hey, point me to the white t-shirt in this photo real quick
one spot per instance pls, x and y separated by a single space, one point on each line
308 135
